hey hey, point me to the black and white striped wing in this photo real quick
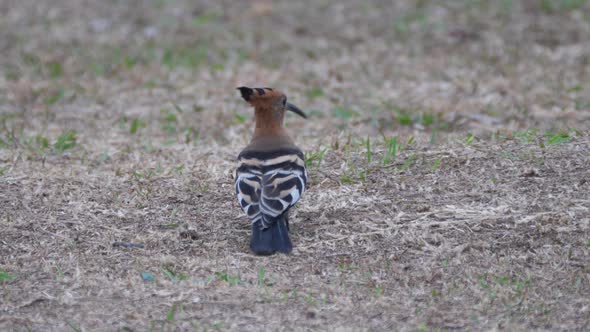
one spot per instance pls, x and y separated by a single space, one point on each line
281 189
248 190
269 184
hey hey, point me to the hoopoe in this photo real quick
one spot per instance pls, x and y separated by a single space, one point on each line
271 174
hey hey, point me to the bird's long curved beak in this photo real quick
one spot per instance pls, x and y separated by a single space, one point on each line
295 109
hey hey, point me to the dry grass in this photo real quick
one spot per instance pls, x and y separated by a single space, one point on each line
119 125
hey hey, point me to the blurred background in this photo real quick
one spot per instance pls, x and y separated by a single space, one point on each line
170 67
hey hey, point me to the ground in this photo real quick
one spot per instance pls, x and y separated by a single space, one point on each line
448 146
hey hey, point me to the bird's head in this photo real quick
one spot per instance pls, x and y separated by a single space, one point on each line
269 100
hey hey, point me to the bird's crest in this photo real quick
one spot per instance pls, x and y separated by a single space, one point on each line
263 97
258 94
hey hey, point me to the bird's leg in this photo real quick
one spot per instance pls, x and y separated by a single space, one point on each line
287 221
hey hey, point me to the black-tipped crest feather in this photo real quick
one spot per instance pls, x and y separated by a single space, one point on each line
246 92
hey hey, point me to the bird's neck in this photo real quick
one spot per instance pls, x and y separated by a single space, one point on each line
268 124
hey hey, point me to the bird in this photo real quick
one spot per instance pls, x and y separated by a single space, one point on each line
270 176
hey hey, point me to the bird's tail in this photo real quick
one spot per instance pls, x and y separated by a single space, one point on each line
273 239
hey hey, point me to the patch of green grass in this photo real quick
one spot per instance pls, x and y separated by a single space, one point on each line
469 139
130 61
172 312
558 138
37 144
392 147
362 175
347 178
262 277
139 175
509 155
578 282
582 105
347 267
239 118
59 273
378 290
433 134
402 25
368 147
65 141
197 108
503 280
148 173
136 124
206 18
507 8
171 225
404 117
5 276
42 142
494 180
435 164
31 60
177 107
173 275
509 289
427 119
553 6
310 299
217 66
424 327
408 162
54 70
54 97
483 282
97 69
184 57
344 113
170 117
576 88
217 325
434 293
229 279
12 73
498 136
74 327
314 93
313 159
526 136
190 135
407 117
169 121
179 169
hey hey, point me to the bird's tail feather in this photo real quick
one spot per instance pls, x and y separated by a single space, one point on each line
273 239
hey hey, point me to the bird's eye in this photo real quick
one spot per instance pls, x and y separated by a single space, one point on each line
284 101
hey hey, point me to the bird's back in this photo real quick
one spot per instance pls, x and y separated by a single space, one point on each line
269 181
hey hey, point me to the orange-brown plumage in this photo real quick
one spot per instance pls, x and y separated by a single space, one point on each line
269 121
270 106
